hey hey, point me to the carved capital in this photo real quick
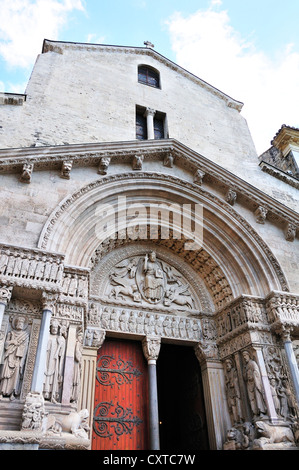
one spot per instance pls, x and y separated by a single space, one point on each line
151 347
285 332
149 112
206 352
49 301
5 294
94 338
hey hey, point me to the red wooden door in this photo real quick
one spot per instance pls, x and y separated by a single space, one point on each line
121 397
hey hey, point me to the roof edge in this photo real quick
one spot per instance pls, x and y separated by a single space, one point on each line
58 46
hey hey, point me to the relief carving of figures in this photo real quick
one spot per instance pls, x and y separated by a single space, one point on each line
255 390
15 352
54 362
149 280
233 392
33 412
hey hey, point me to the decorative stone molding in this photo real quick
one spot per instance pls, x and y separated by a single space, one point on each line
279 174
30 268
282 310
14 99
141 323
243 314
47 233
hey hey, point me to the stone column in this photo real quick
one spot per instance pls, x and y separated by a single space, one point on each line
89 371
217 413
149 114
151 349
291 358
41 354
5 296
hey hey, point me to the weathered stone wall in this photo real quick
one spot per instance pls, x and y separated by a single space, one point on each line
86 94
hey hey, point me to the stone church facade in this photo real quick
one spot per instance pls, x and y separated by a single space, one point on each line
149 261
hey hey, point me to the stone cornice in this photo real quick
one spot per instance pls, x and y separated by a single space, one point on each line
83 155
279 174
60 46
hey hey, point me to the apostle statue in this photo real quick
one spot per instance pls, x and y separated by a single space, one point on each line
254 385
54 362
15 352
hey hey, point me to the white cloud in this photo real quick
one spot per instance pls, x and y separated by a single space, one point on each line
25 23
207 45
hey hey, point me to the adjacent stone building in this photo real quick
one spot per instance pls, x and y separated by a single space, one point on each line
149 261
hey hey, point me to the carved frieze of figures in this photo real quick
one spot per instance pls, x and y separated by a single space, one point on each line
14 358
147 280
75 285
233 393
144 323
53 379
254 385
283 309
244 311
21 267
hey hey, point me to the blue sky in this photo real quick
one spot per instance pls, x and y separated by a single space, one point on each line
249 49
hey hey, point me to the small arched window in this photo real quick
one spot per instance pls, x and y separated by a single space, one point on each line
148 76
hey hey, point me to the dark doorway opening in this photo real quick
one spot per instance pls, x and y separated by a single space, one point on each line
182 415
